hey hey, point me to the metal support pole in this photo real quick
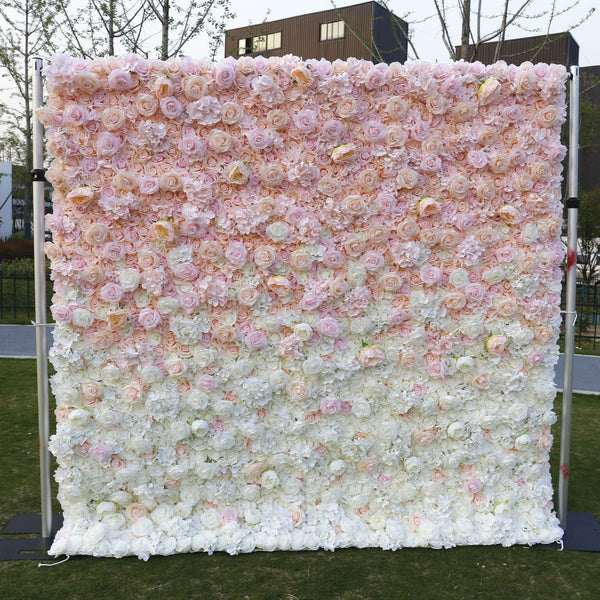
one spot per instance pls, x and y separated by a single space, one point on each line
571 281
40 302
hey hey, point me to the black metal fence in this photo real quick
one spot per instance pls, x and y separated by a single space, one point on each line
17 296
587 325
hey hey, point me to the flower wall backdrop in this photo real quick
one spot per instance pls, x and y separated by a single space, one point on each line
303 304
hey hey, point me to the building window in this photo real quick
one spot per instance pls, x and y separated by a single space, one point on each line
332 31
259 43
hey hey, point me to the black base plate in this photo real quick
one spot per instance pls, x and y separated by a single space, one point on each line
582 533
27 548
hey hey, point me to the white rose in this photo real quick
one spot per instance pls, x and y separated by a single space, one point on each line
129 279
197 399
106 508
313 365
361 325
93 535
361 408
387 430
413 464
279 379
337 467
108 418
459 278
210 518
151 374
457 430
269 480
250 492
517 413
356 276
494 276
252 515
111 374
278 231
303 331
167 304
522 337
529 234
82 318
142 527
523 442
141 297
223 440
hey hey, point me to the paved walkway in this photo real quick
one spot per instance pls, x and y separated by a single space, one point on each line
18 341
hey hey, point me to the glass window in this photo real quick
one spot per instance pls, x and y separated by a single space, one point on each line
332 31
274 41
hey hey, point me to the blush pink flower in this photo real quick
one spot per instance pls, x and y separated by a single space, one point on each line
148 318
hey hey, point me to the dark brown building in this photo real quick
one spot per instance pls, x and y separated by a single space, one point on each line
558 48
367 31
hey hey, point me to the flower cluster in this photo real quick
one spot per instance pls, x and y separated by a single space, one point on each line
303 304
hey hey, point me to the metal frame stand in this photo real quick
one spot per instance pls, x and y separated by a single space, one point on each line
582 532
15 548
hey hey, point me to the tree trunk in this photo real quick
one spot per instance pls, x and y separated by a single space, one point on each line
466 30
165 31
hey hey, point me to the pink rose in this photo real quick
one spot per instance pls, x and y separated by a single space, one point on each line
224 75
333 259
373 131
256 340
148 318
120 80
430 275
306 120
310 301
259 139
329 327
170 107
373 260
100 453
111 292
148 185
330 406
236 253
377 76
108 144
371 356
229 515
477 158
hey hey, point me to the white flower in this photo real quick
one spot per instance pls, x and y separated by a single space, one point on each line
129 279
210 518
337 467
361 408
303 331
457 430
269 480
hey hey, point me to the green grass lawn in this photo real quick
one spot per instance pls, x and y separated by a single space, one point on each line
351 574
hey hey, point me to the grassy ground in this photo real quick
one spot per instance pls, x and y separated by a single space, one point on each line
472 573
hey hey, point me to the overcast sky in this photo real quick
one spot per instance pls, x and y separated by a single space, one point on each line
425 28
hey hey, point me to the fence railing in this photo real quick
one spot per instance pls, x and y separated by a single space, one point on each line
17 296
17 305
587 325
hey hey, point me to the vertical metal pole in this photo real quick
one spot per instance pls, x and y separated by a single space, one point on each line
571 280
40 302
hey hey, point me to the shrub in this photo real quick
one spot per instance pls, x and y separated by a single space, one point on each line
16 249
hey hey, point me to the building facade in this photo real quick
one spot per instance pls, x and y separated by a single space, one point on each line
558 48
366 30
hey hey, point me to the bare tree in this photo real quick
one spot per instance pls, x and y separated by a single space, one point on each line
26 31
180 22
103 27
